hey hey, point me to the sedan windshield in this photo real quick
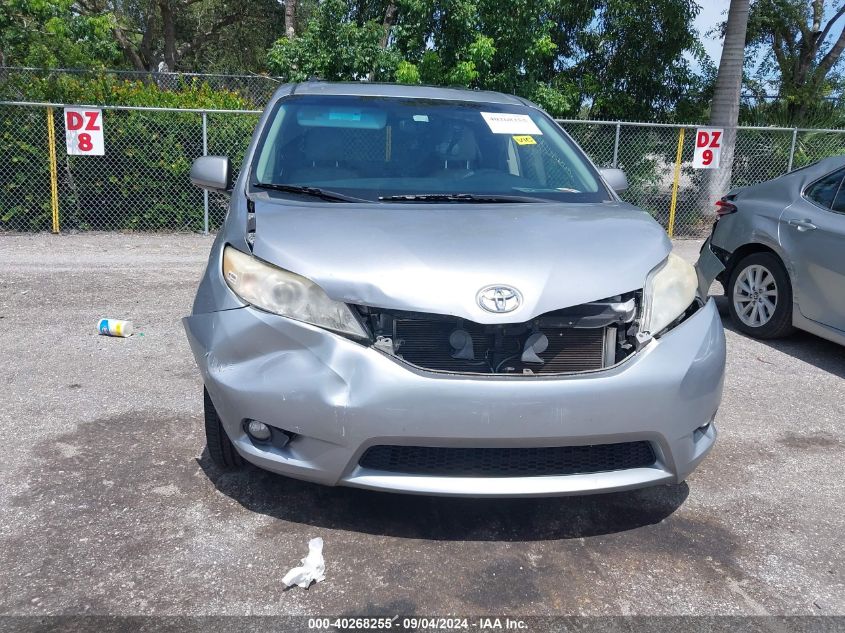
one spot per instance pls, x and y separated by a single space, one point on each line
419 151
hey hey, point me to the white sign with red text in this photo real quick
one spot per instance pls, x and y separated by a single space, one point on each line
84 132
708 148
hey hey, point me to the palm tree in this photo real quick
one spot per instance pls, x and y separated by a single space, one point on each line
724 109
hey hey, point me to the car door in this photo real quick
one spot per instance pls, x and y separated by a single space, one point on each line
812 234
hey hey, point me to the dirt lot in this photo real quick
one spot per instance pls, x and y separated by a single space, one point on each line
109 505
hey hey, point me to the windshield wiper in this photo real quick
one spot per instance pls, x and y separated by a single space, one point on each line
323 194
458 197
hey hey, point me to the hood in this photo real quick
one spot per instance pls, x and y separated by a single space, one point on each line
437 257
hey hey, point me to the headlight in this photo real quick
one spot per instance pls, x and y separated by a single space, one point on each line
287 294
669 290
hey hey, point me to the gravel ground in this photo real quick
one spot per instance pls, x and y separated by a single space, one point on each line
109 505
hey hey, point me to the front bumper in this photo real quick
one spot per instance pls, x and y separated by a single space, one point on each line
708 267
340 398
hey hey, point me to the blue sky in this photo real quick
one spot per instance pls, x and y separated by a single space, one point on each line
712 12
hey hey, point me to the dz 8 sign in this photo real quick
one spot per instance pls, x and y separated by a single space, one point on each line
84 131
708 148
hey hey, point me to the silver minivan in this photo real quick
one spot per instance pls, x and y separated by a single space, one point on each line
434 291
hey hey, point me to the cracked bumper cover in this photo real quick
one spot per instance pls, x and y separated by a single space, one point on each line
341 397
707 268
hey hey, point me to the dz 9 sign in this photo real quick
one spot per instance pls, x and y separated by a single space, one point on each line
708 148
84 132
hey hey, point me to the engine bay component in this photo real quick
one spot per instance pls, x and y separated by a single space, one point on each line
535 344
580 338
461 342
385 344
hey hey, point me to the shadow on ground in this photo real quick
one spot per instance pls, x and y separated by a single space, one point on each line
441 518
816 351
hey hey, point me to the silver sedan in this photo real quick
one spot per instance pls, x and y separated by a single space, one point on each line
782 245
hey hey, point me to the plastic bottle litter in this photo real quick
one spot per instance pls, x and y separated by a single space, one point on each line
312 569
115 327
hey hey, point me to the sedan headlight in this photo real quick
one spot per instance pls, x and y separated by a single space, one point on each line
669 290
287 294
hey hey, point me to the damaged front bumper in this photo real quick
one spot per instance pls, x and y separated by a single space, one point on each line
337 398
707 268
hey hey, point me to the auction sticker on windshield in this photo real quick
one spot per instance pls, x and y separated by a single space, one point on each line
506 123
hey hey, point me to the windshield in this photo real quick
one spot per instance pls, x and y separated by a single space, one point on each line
375 148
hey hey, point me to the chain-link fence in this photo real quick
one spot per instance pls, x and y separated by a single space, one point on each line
647 152
141 183
16 83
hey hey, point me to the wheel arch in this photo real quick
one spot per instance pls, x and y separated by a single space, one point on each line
782 320
744 251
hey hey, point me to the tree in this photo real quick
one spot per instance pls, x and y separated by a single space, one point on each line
616 58
240 47
174 34
290 19
801 49
724 111
334 46
633 63
475 43
53 34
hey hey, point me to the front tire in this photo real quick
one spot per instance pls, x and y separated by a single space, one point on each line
220 447
760 297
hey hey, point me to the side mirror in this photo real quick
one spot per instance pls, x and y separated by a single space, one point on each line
615 179
212 172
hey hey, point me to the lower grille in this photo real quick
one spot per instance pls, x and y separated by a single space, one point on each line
425 343
508 462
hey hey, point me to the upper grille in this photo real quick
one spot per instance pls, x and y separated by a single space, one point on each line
508 462
425 343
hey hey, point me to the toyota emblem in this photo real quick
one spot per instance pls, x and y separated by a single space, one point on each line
499 299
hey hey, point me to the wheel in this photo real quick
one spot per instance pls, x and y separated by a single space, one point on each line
220 447
760 296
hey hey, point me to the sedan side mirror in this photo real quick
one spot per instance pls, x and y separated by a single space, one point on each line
615 179
212 172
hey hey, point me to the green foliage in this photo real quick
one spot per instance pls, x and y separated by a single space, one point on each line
407 73
131 187
334 48
557 97
633 64
104 88
51 33
822 114
765 154
794 48
25 187
601 58
207 35
431 69
590 56
236 48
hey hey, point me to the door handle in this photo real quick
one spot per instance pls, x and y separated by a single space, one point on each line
803 225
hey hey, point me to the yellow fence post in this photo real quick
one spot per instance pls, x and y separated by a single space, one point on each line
54 175
671 229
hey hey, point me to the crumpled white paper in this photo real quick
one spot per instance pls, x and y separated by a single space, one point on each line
312 569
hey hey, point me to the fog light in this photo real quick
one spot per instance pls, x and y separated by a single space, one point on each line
258 430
